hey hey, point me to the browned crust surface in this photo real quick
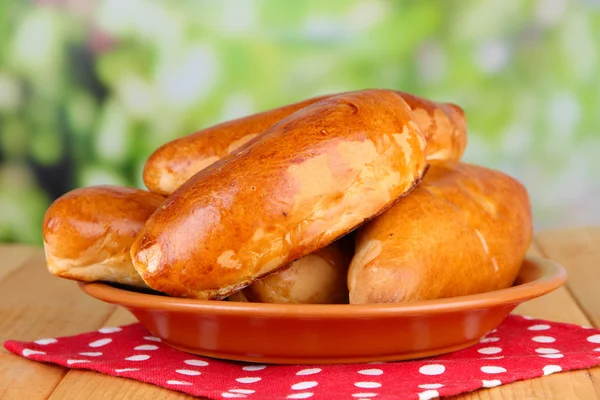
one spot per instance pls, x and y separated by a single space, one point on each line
312 177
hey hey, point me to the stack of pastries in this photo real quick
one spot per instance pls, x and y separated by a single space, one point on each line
358 197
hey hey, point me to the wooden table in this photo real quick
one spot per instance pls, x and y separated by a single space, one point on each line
34 304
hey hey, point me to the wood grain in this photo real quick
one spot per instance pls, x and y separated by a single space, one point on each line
13 256
556 306
94 386
579 250
120 317
33 304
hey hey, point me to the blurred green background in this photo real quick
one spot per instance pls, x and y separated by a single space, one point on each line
88 89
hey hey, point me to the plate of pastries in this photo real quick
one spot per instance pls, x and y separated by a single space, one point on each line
342 228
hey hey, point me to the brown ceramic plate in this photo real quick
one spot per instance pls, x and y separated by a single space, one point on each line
326 334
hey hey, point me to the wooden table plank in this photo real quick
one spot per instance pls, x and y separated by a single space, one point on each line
13 256
579 250
34 305
556 306
22 379
559 306
91 385
54 307
120 317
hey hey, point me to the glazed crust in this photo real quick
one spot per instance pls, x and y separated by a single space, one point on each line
88 233
318 278
464 230
313 177
175 162
442 124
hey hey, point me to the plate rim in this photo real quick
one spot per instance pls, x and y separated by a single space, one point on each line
553 275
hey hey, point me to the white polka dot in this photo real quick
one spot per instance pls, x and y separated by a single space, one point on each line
598 349
493 358
494 331
71 362
100 342
539 327
491 384
196 363
372 371
492 370
174 382
304 395
367 385
431 386
428 394
138 357
550 369
189 372
526 317
594 339
489 339
110 329
126 369
153 338
232 395
309 371
91 353
543 350
254 367
146 347
432 369
28 352
249 379
242 391
544 339
44 342
586 327
490 350
304 385
364 395
552 355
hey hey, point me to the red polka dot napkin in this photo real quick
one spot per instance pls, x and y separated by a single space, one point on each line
520 348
